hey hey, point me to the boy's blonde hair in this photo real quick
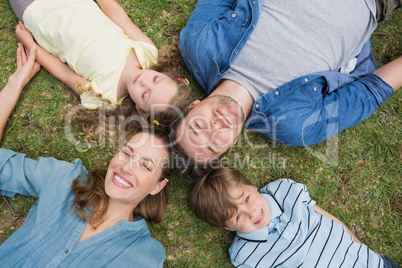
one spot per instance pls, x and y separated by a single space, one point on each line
209 196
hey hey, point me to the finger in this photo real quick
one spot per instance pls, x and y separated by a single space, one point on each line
23 55
19 56
32 54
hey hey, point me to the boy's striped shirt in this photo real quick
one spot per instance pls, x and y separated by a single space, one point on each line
298 236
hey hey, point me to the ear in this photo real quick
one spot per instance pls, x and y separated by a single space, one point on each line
229 229
194 103
158 187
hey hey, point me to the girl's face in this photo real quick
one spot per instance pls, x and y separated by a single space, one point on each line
152 91
134 172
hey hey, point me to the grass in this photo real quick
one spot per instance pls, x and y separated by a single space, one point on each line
360 183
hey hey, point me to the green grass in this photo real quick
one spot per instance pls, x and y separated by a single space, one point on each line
360 183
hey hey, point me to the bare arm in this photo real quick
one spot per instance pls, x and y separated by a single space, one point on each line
51 63
116 13
391 73
326 214
26 69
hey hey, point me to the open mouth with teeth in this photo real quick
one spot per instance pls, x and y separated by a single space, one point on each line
121 182
260 218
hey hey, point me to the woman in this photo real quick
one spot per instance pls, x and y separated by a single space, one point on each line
89 219
27 67
84 219
96 220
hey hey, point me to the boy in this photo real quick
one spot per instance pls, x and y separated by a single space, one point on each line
280 226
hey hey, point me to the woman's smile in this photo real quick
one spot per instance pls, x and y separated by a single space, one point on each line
121 182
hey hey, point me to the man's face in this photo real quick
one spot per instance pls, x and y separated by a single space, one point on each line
210 128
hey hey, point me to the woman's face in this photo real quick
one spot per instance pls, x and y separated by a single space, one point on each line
152 91
134 172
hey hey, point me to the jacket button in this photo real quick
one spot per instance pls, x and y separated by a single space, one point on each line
257 105
276 92
315 88
254 2
236 51
66 251
305 80
233 15
253 25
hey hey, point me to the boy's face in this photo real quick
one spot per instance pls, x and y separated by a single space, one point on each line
253 211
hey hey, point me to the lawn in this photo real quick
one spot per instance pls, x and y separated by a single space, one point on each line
356 175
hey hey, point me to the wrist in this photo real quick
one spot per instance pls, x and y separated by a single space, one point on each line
15 83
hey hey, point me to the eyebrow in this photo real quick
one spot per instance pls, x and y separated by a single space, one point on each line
150 160
129 147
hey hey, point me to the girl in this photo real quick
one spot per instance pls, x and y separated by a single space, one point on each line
102 56
89 220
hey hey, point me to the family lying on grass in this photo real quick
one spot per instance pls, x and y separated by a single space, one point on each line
98 218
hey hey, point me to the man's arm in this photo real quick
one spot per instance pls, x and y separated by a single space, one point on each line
51 63
26 69
326 214
391 73
334 111
117 14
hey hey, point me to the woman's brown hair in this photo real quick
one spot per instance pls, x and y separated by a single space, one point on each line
91 201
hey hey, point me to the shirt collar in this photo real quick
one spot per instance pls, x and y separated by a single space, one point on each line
262 234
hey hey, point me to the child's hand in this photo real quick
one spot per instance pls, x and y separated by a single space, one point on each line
24 36
27 67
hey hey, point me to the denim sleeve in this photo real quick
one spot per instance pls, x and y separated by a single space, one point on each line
345 108
25 176
303 112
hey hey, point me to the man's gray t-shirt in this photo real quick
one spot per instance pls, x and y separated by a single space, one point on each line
295 38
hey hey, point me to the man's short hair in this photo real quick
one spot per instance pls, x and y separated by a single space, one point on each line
181 160
209 197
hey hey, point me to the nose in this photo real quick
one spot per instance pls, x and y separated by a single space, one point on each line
250 211
128 167
216 124
250 214
147 81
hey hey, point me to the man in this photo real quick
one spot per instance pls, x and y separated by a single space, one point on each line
298 72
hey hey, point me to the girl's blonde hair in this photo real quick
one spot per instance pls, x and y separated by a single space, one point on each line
169 63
